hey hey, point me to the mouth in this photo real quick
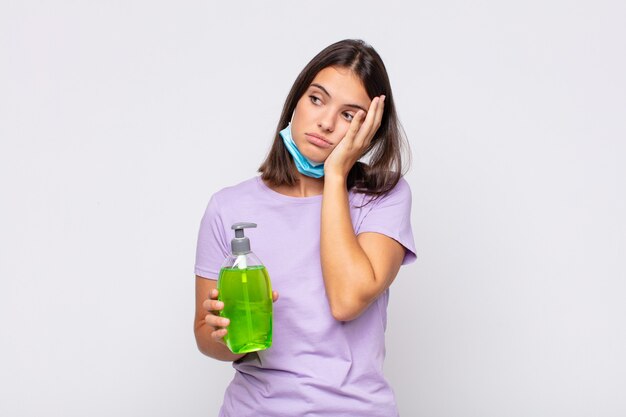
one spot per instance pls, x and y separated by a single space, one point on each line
318 140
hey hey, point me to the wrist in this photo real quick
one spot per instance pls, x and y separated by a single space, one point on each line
334 179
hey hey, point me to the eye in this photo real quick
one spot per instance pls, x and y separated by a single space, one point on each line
315 100
348 116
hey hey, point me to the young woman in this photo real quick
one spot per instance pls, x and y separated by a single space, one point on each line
332 231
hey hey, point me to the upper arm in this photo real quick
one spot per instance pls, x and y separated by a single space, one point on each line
385 255
203 289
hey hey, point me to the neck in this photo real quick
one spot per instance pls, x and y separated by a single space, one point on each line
308 186
305 187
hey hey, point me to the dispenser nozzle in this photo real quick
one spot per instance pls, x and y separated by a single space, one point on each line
240 244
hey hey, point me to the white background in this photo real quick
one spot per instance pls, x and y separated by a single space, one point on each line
118 120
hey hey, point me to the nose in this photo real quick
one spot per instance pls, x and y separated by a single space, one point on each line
326 121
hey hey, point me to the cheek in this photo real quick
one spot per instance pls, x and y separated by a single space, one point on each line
304 107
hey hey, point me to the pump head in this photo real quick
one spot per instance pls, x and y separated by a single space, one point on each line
240 245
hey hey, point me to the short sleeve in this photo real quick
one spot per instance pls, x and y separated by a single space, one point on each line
212 247
390 215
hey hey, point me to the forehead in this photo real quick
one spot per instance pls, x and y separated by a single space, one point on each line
342 85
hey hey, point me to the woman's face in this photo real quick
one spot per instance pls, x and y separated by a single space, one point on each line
323 114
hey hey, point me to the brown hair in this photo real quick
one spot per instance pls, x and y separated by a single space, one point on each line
385 151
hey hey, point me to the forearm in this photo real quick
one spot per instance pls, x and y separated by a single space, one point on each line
208 346
348 273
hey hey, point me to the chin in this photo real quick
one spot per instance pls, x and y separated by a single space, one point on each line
316 159
311 152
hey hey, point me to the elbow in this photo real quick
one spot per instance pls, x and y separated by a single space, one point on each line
200 342
340 314
348 301
346 310
344 315
348 305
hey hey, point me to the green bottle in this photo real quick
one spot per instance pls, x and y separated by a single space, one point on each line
245 289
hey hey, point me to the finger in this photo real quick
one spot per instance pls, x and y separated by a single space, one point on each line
214 293
218 335
216 322
365 130
274 296
355 125
380 110
373 124
213 305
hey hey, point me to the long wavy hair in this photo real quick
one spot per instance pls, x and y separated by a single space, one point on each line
386 161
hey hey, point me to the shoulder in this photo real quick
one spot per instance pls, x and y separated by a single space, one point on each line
399 195
229 193
223 200
401 188
401 192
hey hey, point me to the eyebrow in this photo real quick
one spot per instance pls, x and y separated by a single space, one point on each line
356 106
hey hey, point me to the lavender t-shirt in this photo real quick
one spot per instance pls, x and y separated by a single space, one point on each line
316 366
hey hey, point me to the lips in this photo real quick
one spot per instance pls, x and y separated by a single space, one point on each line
317 140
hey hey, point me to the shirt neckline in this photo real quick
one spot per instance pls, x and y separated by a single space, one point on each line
287 198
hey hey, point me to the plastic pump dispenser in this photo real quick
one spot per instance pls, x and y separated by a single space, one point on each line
245 289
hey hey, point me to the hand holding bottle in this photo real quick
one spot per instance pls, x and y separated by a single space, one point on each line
213 319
